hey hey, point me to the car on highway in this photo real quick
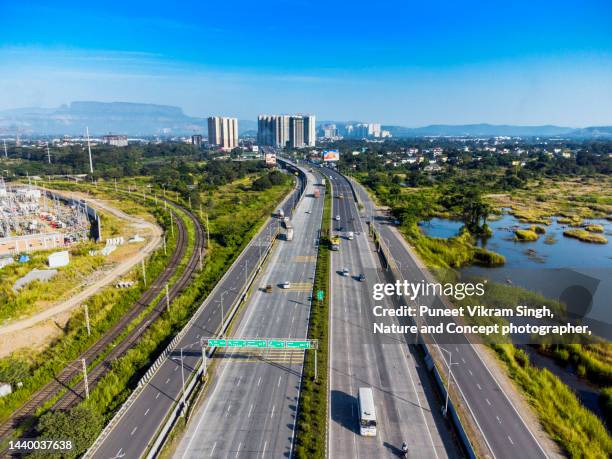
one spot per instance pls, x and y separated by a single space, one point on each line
286 284
350 236
337 217
361 277
345 272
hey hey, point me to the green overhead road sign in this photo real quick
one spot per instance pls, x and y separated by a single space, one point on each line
256 343
263 343
298 344
276 343
320 295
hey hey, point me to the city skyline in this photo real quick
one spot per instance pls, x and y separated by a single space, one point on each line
416 64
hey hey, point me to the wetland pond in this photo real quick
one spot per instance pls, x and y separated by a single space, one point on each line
550 265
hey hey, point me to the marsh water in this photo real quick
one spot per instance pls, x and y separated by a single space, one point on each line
550 265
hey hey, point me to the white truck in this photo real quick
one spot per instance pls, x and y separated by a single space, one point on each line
288 231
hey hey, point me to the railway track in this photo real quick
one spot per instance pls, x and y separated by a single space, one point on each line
63 379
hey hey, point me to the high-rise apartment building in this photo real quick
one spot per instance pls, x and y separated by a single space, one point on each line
310 131
296 131
223 132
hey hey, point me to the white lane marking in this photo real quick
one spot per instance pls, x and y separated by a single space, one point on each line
273 408
168 380
157 396
279 381
238 450
488 402
510 439
213 449
239 380
228 409
263 453
498 419
175 368
259 381
470 372
478 385
462 359
147 412
250 410
456 349
134 430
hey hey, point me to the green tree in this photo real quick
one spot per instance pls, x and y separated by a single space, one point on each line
79 425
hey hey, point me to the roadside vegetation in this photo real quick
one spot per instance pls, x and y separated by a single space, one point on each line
311 430
573 427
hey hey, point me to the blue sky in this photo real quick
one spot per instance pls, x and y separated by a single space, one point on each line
396 62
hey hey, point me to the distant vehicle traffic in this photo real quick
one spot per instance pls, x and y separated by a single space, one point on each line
340 196
337 217
345 272
361 277
269 288
367 412
286 284
280 213
350 236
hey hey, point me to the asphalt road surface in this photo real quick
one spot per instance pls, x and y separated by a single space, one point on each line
501 425
137 428
406 406
250 409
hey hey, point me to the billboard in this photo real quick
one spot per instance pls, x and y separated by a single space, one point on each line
331 155
270 159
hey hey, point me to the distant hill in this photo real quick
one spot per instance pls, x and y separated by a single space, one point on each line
476 130
133 119
487 130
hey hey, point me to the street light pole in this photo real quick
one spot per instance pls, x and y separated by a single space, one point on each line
85 378
449 376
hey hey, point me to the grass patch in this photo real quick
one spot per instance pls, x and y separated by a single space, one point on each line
585 236
576 429
486 257
525 235
312 411
593 228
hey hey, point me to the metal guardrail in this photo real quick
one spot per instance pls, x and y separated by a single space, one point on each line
196 375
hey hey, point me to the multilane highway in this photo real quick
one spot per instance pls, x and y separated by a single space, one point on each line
501 425
136 430
250 409
406 407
